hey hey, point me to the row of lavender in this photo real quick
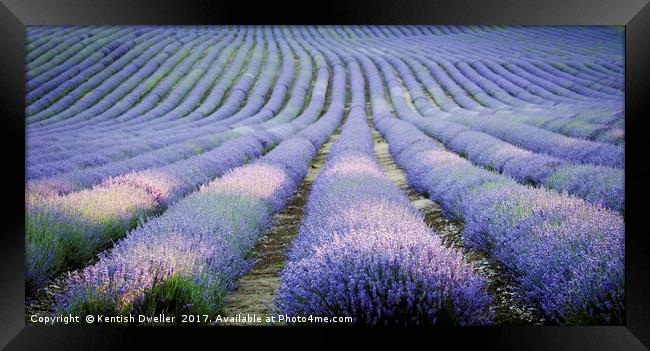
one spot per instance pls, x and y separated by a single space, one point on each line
589 170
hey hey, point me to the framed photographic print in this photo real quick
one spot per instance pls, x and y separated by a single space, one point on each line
472 173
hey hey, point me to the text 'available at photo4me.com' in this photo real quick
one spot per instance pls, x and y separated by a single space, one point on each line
128 319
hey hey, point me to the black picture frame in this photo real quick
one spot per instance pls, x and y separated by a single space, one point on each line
634 14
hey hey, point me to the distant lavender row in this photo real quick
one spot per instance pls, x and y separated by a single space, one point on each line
572 149
517 86
92 91
535 139
73 76
455 48
512 95
136 51
46 41
106 79
507 53
44 147
596 184
178 69
95 51
70 46
171 99
227 93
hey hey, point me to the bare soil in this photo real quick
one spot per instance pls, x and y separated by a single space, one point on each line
41 302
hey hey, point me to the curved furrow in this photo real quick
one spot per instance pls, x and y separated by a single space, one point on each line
575 150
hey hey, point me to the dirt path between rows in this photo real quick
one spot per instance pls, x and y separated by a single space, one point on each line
257 288
507 305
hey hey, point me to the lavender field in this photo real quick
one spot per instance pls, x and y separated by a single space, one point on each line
398 175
